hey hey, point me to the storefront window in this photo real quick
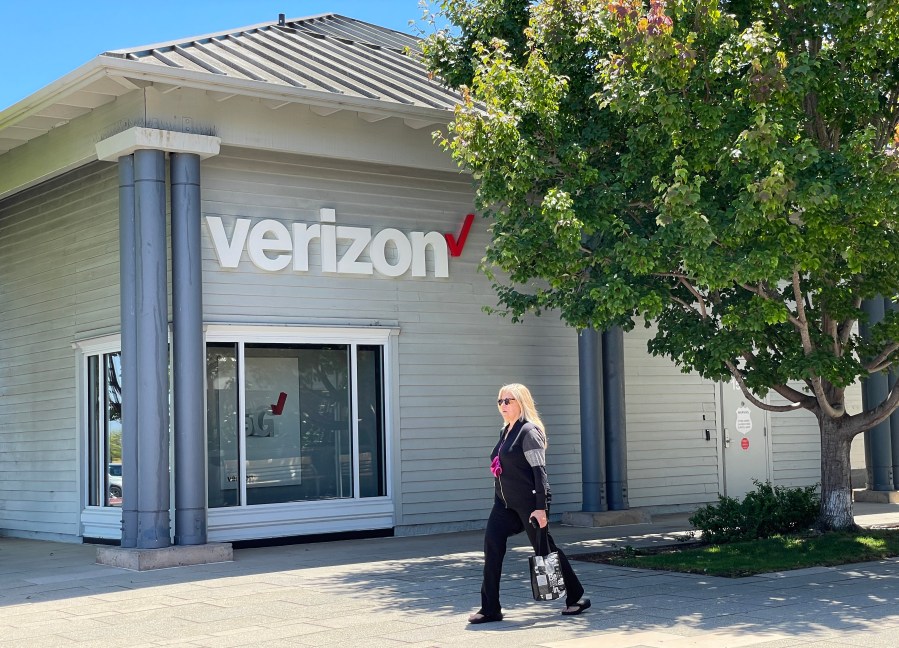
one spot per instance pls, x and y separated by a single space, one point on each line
281 422
221 424
371 422
104 423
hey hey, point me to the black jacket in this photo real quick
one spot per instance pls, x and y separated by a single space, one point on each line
523 484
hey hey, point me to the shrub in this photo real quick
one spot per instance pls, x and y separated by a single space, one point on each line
764 512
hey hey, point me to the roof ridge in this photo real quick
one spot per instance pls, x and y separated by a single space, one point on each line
292 23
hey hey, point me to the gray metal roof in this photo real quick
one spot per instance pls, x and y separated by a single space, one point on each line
329 62
327 53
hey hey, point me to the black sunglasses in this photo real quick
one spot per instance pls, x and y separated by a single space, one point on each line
504 401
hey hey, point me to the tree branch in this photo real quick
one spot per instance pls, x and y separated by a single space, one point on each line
880 362
830 327
686 306
682 279
792 395
847 324
871 418
824 402
807 346
751 397
766 294
697 295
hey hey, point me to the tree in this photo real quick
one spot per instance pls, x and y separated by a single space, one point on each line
726 170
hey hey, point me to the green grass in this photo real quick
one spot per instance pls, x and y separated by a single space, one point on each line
779 553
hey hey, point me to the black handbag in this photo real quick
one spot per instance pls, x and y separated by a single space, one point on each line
547 583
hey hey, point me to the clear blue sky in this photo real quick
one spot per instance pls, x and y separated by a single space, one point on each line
43 40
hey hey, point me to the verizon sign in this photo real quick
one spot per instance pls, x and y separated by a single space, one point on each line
272 246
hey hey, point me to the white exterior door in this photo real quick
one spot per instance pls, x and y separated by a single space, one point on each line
745 441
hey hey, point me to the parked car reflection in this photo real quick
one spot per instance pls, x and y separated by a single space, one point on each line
115 483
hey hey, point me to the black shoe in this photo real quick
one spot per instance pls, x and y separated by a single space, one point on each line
486 618
579 607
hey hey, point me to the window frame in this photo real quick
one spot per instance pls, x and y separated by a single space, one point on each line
318 516
96 347
95 521
263 520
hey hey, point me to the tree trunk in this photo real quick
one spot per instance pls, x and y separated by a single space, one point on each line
836 493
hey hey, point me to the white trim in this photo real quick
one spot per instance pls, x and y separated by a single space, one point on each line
354 413
139 137
719 433
299 518
90 525
101 522
392 422
81 445
242 431
263 89
294 334
243 522
102 344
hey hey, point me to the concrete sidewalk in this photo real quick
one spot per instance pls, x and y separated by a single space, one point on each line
416 592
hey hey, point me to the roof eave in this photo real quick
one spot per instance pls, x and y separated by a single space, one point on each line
104 66
269 91
75 80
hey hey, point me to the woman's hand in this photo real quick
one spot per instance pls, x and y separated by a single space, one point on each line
540 516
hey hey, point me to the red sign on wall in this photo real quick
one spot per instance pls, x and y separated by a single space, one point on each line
744 443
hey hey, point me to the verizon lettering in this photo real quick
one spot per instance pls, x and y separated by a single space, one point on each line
271 246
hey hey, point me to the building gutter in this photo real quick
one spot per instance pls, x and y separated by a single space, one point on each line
268 91
126 72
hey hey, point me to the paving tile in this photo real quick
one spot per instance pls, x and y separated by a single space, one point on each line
355 635
43 641
870 638
659 639
261 635
404 592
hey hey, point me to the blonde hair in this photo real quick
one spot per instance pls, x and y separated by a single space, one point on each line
526 402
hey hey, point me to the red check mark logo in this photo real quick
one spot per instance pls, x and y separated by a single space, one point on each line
278 407
455 245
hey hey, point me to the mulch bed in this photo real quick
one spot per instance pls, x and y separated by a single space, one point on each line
608 557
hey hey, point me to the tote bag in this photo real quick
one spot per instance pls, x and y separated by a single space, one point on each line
547 583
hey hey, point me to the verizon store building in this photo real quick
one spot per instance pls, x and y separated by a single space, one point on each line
259 224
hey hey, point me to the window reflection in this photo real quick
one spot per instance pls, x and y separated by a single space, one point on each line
371 423
297 422
221 423
104 420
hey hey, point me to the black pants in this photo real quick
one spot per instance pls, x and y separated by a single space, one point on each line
501 525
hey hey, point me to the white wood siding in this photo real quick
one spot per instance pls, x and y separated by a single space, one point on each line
669 460
452 357
59 283
58 279
795 445
857 450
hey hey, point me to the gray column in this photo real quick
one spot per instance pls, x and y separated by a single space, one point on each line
593 450
894 433
894 417
878 446
616 433
127 297
188 365
152 352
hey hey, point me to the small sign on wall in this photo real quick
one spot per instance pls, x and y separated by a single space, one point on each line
744 420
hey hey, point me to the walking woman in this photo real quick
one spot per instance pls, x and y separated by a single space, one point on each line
521 492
